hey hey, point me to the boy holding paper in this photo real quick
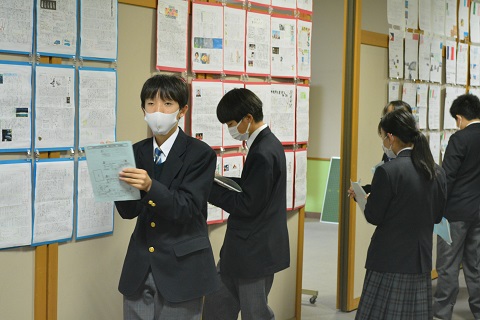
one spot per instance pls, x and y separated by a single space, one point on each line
169 265
256 241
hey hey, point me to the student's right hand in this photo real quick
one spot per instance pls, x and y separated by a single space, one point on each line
351 193
137 178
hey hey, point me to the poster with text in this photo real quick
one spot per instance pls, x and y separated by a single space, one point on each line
16 25
258 44
234 40
282 120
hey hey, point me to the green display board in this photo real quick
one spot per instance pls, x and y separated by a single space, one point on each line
331 204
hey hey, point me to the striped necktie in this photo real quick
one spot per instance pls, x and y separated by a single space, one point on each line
158 153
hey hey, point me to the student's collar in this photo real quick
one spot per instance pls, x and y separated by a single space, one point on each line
167 145
254 135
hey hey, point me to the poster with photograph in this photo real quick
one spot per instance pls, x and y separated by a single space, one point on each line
304 49
284 47
258 44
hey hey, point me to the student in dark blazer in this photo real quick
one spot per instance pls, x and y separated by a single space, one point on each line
256 244
408 197
462 166
169 265
391 106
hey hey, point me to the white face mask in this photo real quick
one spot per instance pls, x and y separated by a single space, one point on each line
236 134
161 123
388 151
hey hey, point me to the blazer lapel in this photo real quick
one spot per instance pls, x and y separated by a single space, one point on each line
174 161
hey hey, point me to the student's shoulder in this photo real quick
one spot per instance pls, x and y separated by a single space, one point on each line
142 143
198 145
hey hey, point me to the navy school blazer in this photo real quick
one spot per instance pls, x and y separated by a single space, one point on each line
171 237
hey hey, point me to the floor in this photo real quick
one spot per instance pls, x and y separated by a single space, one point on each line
320 273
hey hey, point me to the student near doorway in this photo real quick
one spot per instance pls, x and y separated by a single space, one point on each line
256 244
462 166
408 197
169 265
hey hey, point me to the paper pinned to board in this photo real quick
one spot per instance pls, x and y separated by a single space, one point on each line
443 230
360 195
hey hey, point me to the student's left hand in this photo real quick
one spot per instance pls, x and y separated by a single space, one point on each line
137 178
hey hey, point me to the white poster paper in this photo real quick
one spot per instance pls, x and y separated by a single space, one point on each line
205 98
396 13
451 94
304 48
234 40
436 64
172 35
93 218
451 18
99 29
16 106
300 178
57 27
434 142
395 53
97 94
424 57
302 116
15 203
411 56
207 38
258 43
16 25
411 14
394 89
283 112
284 51
463 19
54 107
262 90
290 158
462 63
451 61
434 106
53 207
438 17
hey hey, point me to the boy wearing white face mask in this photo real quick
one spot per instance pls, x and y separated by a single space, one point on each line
256 244
169 265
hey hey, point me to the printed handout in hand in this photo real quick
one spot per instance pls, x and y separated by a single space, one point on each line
227 183
360 195
105 161
443 230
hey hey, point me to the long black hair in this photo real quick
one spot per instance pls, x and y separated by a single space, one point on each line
401 124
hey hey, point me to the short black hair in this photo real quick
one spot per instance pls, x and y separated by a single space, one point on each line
237 103
467 105
169 87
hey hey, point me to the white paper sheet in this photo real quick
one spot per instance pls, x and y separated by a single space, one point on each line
409 93
474 65
411 14
205 125
359 195
434 142
394 89
451 18
15 203
16 23
283 112
15 102
462 63
234 22
438 17
300 178
99 29
305 5
451 61
105 161
304 48
396 13
258 43
411 56
475 22
425 15
263 91
232 166
57 27
395 53
284 51
302 124
53 207
285 4
463 19
434 106
422 104
54 107
436 64
93 218
172 35
207 38
290 161
97 94
214 213
424 57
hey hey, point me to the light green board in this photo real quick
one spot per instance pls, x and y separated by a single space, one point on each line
331 205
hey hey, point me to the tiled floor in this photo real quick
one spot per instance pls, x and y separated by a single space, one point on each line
320 273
